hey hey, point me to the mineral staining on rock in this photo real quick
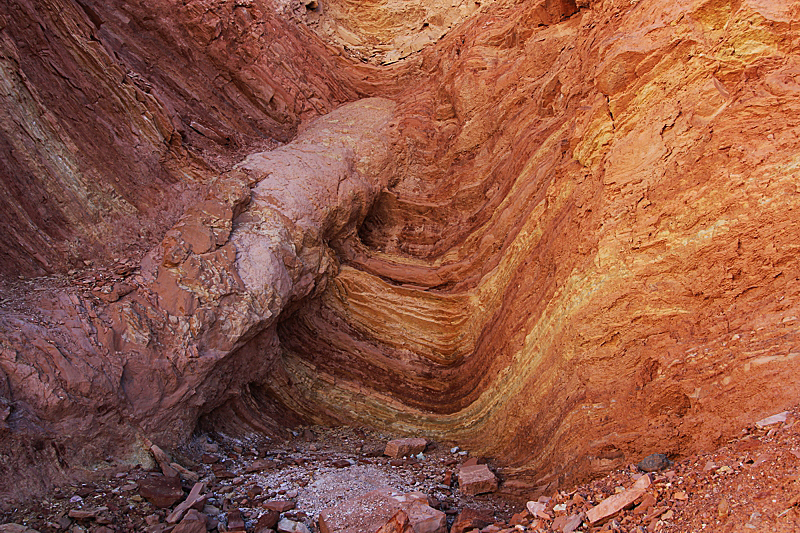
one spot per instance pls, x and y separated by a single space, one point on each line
561 236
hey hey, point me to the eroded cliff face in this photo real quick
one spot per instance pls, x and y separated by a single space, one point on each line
563 235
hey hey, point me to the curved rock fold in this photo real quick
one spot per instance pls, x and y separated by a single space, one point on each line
560 234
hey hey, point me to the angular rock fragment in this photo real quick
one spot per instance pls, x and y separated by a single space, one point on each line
567 524
193 522
648 501
469 519
16 528
221 471
209 458
235 520
161 491
193 499
268 520
537 509
654 462
615 503
402 447
163 461
82 514
477 479
279 505
260 465
774 419
398 523
290 526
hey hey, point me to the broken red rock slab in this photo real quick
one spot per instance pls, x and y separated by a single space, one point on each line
221 471
477 479
375 509
161 491
469 519
82 514
613 504
193 522
268 520
16 528
279 505
235 520
260 465
398 523
567 524
402 447
163 461
192 500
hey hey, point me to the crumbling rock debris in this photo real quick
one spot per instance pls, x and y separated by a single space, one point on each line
375 509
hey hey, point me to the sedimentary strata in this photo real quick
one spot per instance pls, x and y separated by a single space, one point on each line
562 235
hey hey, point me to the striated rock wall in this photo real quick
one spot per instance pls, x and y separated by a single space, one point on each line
117 114
563 237
590 254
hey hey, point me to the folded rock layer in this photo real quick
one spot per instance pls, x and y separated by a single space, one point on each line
562 236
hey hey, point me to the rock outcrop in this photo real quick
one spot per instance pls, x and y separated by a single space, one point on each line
562 235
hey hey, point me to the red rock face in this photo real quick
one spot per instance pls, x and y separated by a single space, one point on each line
562 236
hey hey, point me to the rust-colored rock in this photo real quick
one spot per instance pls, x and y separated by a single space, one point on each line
476 479
268 520
403 447
279 505
560 233
161 491
398 523
613 504
193 522
469 519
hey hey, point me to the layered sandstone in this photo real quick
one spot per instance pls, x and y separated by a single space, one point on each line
563 235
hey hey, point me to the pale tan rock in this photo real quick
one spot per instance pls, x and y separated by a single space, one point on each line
16 528
290 526
615 503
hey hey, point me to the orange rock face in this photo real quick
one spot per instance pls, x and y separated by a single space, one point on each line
562 235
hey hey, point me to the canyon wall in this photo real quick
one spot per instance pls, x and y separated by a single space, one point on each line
561 234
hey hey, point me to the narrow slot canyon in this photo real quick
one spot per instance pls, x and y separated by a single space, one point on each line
249 243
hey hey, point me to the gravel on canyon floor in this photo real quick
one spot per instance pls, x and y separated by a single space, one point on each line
252 484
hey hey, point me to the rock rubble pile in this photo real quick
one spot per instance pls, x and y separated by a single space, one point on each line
343 480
